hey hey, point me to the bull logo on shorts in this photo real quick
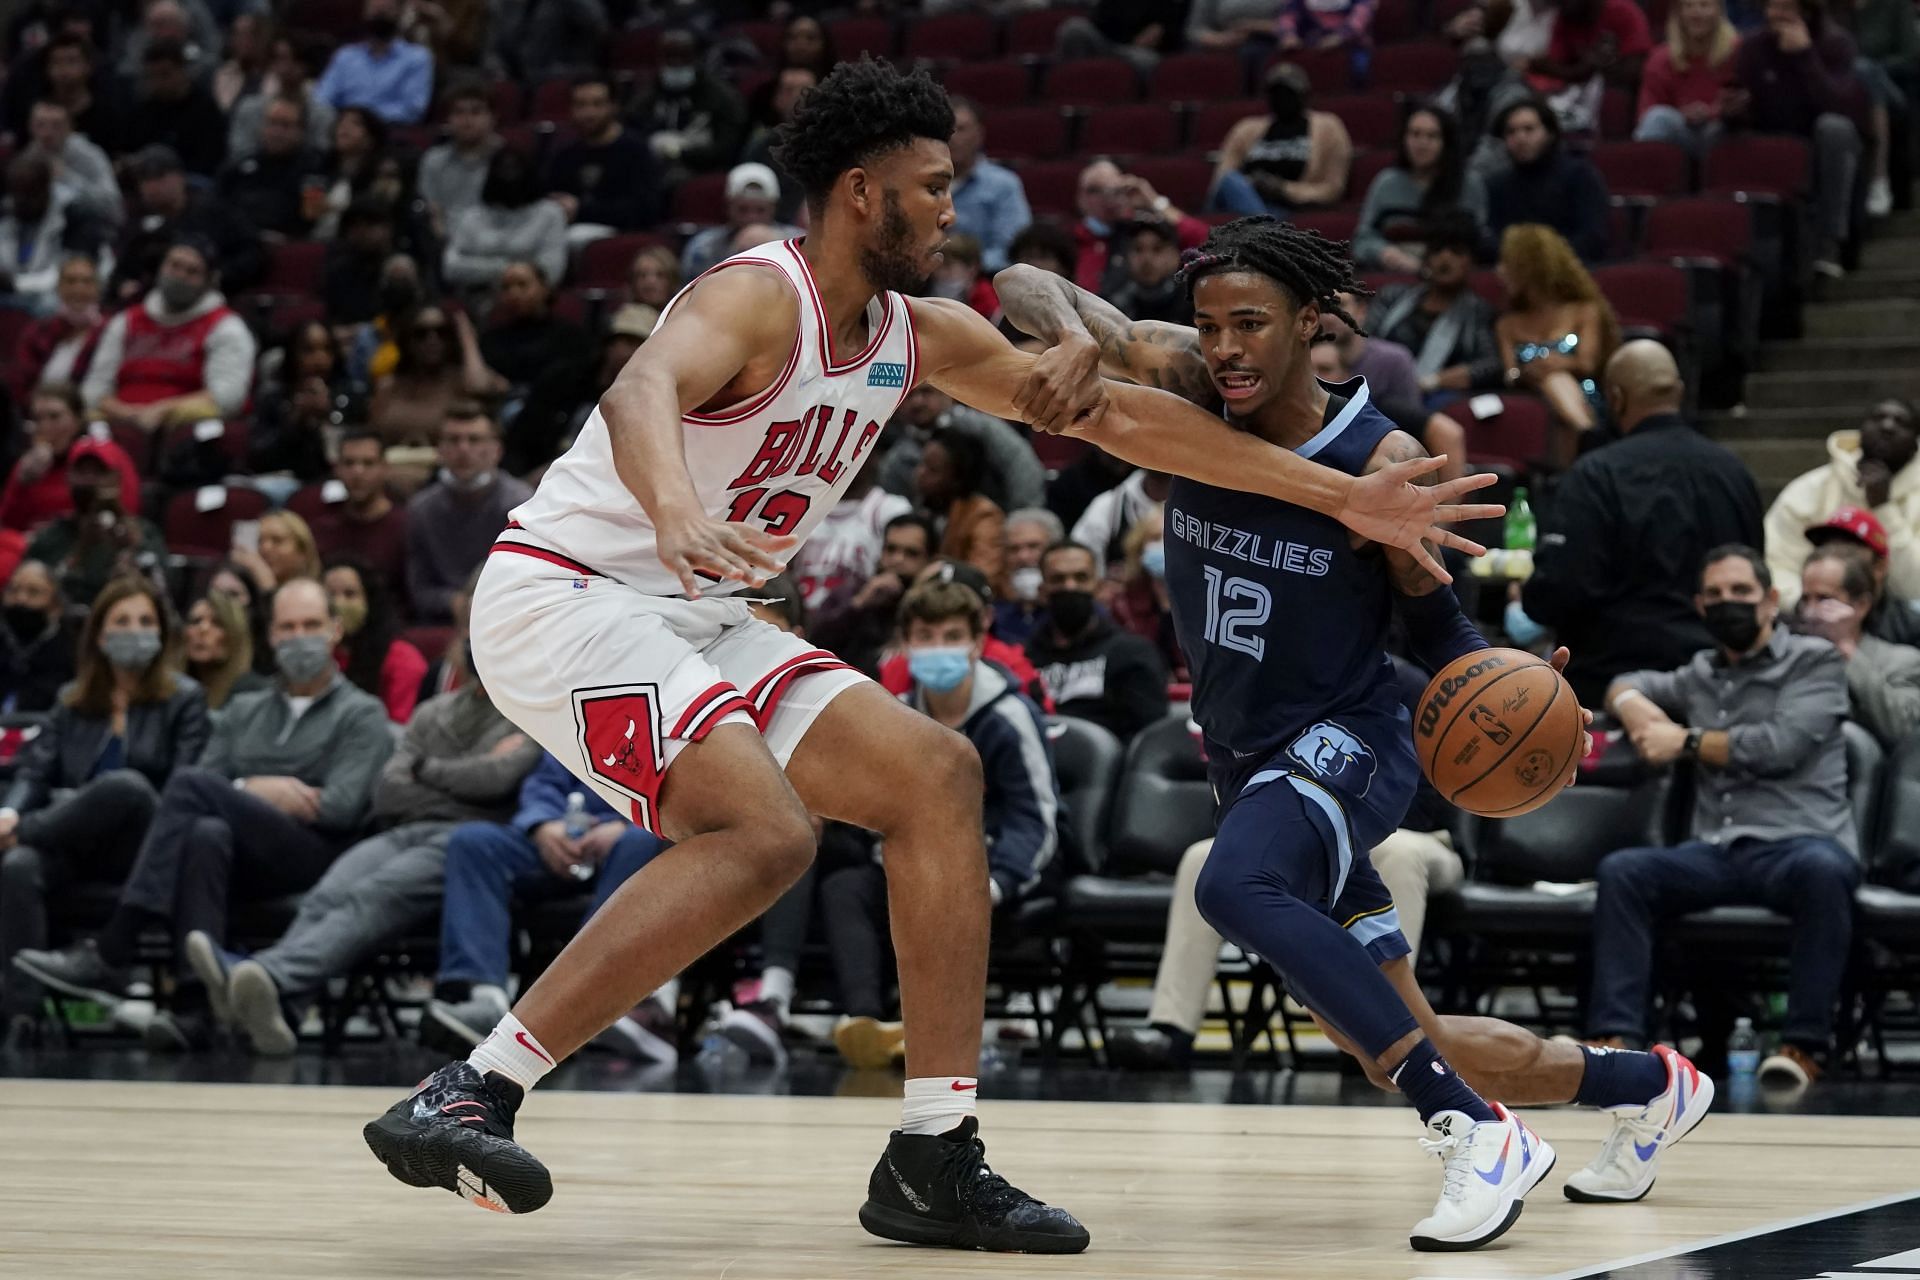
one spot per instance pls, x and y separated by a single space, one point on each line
620 744
1336 757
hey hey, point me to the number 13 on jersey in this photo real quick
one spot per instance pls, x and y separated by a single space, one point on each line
1236 609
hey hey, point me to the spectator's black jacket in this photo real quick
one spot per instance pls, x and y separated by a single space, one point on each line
31 674
161 737
1109 676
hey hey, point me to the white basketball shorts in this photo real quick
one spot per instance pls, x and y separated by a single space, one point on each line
615 683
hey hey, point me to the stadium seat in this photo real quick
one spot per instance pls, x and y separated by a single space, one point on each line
232 440
701 199
1646 295
767 37
432 642
961 36
1147 128
1025 133
635 50
1329 71
1334 224
194 526
1650 169
990 84
505 95
1713 227
1181 179
1051 185
1197 77
1372 120
1091 82
1490 286
1086 762
1164 803
1394 21
1031 32
1515 437
1616 114
603 264
552 101
294 267
310 501
1213 122
1368 163
340 20
1418 68
854 36
1758 164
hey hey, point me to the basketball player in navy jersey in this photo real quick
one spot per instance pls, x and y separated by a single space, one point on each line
1284 618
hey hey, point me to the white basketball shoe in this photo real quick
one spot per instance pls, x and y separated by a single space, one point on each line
1490 1166
1628 1160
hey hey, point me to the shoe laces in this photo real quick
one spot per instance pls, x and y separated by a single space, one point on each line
1455 1152
991 1196
1633 1126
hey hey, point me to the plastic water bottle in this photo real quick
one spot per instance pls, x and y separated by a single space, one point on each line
1519 527
577 826
1743 1050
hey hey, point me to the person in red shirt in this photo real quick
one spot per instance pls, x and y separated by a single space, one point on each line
59 347
36 490
1109 199
371 653
1605 38
897 679
1688 80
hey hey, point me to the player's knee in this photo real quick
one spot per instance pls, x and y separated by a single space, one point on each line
949 772
1221 894
781 842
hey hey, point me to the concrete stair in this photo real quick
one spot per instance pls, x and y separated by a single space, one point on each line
1862 341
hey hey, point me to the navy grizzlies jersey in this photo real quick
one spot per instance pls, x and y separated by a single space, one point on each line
1283 622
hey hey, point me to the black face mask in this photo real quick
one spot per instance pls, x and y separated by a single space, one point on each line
1071 611
383 27
26 622
1733 624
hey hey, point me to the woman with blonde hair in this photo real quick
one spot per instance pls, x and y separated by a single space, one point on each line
219 649
1558 330
88 784
1686 81
286 551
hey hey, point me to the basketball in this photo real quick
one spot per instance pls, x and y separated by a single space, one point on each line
1498 732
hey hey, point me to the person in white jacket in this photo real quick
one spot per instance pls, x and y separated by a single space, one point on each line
1872 467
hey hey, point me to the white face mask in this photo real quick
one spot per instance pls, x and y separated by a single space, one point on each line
1025 583
676 79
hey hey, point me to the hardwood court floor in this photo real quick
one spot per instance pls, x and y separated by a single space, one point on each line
139 1181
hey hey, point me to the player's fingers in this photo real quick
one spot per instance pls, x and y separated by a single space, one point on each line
1448 490
1559 659
682 568
1460 513
759 549
1411 469
1023 398
1448 538
1420 552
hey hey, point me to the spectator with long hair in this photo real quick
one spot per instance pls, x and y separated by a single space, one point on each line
439 363
286 551
1293 157
359 141
218 649
371 652
654 276
805 45
234 581
512 223
952 469
296 403
1688 80
129 719
36 490
1428 178
1558 331
1543 182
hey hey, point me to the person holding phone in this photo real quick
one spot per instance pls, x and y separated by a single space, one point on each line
100 539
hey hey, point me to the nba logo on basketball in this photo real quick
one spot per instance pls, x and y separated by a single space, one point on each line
620 740
1333 755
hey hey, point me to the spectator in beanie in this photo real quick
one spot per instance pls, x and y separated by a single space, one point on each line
180 356
1093 669
1544 184
1883 679
37 644
1872 467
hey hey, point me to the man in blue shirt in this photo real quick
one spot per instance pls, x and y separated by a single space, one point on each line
989 203
383 73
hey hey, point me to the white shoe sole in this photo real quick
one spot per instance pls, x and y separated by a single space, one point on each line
629 1039
1697 1109
204 956
256 1011
73 990
760 1042
1505 1214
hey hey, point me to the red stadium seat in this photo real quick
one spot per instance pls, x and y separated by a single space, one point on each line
1093 82
233 440
1213 122
1655 169
1372 120
1367 165
1334 224
340 19
1025 133
1412 68
1713 227
1646 295
309 502
854 36
296 267
1149 128
1051 185
604 263
767 37
701 199
1032 32
1616 114
1758 164
953 37
1197 77
1329 71
552 101
506 101
1393 22
1378 280
13 323
635 50
432 642
990 84
192 531
1515 437
1489 286
140 446
1181 179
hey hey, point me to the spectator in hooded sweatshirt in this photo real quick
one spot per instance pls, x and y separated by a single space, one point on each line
1095 670
182 355
1873 467
1544 183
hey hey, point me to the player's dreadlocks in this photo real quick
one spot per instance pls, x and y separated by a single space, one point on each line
1310 267
860 111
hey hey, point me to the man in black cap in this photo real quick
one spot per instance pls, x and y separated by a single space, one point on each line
165 209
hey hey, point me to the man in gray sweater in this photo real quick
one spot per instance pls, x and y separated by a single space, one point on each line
285 783
452 522
461 761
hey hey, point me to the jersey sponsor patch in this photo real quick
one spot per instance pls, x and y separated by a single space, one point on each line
1335 756
886 374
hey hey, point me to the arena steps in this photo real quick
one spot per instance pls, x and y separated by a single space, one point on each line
1802 389
1821 355
1847 321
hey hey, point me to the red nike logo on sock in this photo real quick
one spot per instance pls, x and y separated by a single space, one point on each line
531 1047
958 1087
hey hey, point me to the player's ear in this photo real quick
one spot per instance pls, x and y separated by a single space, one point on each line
862 191
1309 322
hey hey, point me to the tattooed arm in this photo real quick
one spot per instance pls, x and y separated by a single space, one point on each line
1089 336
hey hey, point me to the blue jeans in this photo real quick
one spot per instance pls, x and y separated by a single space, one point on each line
1809 879
1234 193
1663 123
488 864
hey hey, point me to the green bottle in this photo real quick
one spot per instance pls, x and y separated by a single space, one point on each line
1519 530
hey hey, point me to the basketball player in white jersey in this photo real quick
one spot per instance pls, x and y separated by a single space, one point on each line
611 623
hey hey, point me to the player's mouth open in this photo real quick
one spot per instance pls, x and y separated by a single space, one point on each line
1235 385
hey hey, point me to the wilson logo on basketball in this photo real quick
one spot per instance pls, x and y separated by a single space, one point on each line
1430 714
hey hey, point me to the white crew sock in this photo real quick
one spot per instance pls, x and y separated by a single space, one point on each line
935 1104
514 1053
776 984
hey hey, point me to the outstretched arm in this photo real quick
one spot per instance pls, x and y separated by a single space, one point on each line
1437 630
967 358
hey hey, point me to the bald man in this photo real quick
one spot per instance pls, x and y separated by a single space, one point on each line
1621 542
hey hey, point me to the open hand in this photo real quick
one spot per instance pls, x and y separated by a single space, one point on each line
697 545
1388 507
1064 388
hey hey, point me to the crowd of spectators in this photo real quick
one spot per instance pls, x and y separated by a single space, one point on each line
315 293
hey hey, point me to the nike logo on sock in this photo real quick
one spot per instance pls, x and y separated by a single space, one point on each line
531 1047
960 1086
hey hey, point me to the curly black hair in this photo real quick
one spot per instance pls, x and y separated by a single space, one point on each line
861 111
1310 267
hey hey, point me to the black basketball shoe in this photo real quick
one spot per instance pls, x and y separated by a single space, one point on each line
455 1132
938 1190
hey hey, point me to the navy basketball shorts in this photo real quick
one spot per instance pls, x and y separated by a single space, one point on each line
1321 803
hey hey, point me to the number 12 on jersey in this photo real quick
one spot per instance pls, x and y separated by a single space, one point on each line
1237 627
781 513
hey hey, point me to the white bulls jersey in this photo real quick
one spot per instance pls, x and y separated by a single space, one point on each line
780 460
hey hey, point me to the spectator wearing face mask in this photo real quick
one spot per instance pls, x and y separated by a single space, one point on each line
1153 289
1107 200
1883 678
1288 159
1029 531
693 122
120 730
181 355
285 783
100 539
897 679
1871 467
451 524
1142 604
1095 670
36 645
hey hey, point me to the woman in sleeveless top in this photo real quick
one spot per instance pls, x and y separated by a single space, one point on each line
1289 159
1558 331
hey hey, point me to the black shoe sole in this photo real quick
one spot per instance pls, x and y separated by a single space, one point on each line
893 1224
1581 1197
491 1172
1426 1244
